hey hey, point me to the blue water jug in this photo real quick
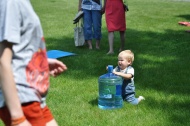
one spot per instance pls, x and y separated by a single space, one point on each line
110 90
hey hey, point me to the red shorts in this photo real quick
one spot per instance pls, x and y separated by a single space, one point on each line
36 115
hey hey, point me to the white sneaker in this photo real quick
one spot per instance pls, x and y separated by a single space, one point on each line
141 98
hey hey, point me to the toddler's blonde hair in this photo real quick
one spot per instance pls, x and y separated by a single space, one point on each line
128 54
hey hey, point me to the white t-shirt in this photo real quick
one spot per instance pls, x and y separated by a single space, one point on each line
128 70
20 25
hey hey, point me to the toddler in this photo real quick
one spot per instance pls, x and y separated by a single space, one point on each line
126 71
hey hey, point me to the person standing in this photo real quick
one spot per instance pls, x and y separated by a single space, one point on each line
24 66
92 20
115 21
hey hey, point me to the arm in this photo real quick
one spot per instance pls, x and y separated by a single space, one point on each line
125 76
105 3
103 7
79 6
8 85
56 67
125 5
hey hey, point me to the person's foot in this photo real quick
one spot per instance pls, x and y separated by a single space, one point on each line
110 53
97 44
97 48
90 47
89 44
141 98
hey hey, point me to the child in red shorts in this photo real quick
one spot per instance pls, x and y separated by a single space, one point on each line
24 66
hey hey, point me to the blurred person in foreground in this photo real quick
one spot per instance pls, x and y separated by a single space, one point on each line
24 67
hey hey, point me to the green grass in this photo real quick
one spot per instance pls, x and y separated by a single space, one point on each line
161 48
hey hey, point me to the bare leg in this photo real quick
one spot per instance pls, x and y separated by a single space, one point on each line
97 44
122 37
52 123
89 44
111 39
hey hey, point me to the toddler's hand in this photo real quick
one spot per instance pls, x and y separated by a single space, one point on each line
116 73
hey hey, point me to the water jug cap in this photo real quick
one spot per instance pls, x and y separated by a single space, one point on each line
110 68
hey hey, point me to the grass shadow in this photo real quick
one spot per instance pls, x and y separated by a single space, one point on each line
94 102
186 16
176 112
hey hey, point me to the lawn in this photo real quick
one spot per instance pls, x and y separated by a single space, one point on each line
161 49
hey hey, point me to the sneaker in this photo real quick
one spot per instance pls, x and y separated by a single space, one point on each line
141 98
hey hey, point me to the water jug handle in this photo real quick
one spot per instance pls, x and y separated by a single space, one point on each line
110 68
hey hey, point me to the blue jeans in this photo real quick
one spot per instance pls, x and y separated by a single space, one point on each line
92 21
128 92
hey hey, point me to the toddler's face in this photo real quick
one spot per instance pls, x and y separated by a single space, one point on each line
123 62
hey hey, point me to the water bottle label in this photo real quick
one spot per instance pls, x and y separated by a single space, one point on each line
107 91
108 96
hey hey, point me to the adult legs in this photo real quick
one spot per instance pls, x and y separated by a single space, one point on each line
97 24
111 39
88 27
97 44
89 44
122 37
